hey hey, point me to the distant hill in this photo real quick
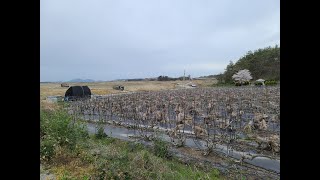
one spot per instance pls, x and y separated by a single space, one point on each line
81 80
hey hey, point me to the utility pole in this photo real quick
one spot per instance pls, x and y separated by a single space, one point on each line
184 74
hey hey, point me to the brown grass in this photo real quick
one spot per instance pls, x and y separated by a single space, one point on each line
48 106
102 88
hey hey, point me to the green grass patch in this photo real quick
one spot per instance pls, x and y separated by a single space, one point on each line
70 153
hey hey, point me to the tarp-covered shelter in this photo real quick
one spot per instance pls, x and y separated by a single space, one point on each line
77 92
260 81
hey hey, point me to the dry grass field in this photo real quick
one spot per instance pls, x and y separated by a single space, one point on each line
102 88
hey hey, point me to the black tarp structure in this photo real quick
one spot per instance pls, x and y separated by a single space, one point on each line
77 92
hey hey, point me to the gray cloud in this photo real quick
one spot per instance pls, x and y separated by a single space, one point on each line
110 39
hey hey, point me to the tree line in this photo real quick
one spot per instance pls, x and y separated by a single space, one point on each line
262 63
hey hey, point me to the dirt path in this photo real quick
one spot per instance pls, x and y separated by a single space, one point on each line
45 174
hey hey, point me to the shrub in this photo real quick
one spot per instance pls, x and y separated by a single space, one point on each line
160 148
100 132
246 83
270 82
58 129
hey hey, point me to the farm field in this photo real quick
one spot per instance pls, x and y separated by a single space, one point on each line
103 88
227 116
164 90
237 126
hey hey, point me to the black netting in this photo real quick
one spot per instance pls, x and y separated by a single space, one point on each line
76 92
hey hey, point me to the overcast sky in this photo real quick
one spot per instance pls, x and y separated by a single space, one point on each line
116 39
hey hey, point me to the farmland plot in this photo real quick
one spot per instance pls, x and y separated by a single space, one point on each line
243 122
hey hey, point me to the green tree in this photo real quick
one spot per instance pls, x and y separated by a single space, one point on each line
262 63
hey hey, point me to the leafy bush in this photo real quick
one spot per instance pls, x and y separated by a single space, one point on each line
246 83
270 82
58 129
100 132
160 148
